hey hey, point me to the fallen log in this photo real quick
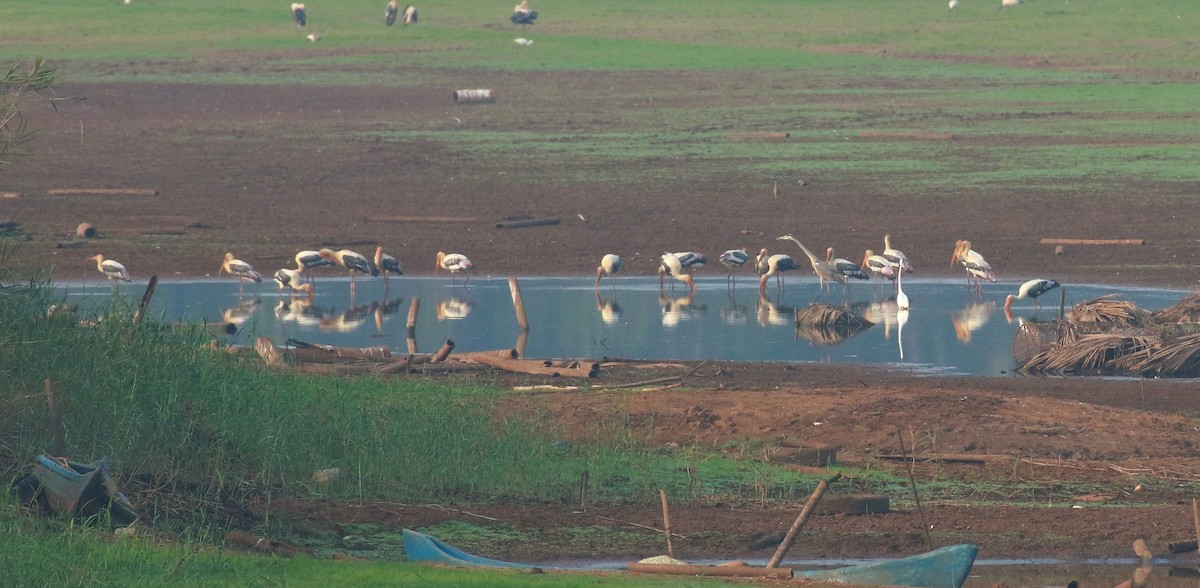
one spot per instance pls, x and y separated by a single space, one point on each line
320 352
536 367
421 219
444 352
801 519
1050 241
533 222
503 353
722 571
1182 546
102 192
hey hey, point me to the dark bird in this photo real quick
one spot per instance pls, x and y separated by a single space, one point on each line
242 270
298 13
733 259
1031 289
409 14
522 15
387 265
355 262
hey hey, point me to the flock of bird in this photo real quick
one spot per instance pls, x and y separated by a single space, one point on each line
522 15
890 264
1003 4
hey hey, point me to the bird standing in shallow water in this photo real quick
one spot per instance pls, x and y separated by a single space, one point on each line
387 265
290 278
894 256
610 264
1031 289
111 269
733 259
774 265
453 263
977 267
671 263
354 262
240 269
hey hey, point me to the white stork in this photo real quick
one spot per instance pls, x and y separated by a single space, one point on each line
240 269
1031 289
111 269
953 4
774 265
352 261
733 259
453 263
387 265
894 256
610 264
672 263
977 267
290 278
299 14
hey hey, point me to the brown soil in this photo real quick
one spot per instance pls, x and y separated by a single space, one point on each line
237 168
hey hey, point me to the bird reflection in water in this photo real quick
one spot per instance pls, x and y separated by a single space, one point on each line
385 309
901 320
734 313
300 311
972 318
347 321
770 313
882 313
679 309
453 309
243 312
610 310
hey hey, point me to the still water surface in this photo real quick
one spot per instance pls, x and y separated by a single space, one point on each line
949 329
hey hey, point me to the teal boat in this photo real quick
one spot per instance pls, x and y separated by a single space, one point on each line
420 547
64 487
946 567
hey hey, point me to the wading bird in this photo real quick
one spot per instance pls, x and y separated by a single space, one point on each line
111 269
387 265
239 269
290 278
844 267
409 14
610 264
1031 289
522 15
309 259
878 265
686 259
453 263
672 264
953 4
774 265
733 259
977 267
894 256
901 297
825 272
299 14
354 262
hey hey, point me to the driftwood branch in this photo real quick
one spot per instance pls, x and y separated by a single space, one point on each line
532 222
420 219
102 192
1049 241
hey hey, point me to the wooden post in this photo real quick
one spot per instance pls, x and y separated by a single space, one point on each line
146 296
1196 519
583 491
666 522
515 287
58 444
444 352
1062 302
798 524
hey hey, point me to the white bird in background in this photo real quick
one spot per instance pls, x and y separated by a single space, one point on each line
299 14
522 41
313 37
410 15
454 263
894 256
1031 289
733 259
111 269
953 4
977 267
672 264
774 265
1006 3
610 264
242 270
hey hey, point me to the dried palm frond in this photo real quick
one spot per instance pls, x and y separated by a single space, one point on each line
1184 311
1108 313
825 324
1180 358
1090 353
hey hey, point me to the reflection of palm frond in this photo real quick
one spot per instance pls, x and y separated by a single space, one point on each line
825 324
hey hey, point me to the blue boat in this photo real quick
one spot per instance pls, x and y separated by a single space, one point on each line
420 547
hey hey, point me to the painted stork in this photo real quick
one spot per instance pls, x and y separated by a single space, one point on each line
387 265
389 15
610 264
290 278
733 259
686 259
610 311
111 269
408 15
240 269
844 267
355 263
299 14
826 273
894 256
774 265
878 265
1031 289
977 267
453 263
522 15
673 264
